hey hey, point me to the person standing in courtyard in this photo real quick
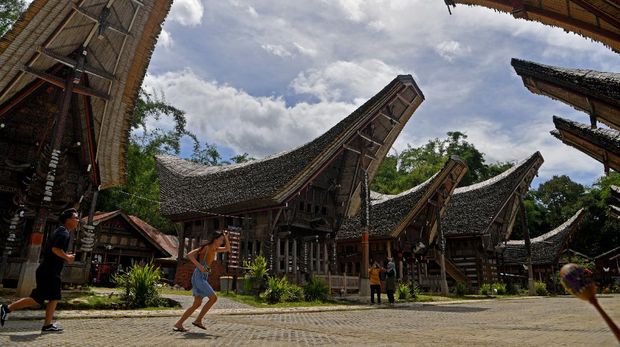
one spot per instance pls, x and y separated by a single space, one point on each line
375 282
48 281
390 280
202 258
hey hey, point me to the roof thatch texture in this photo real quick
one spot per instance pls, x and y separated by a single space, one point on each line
598 20
594 92
188 188
545 248
390 214
473 209
601 144
51 31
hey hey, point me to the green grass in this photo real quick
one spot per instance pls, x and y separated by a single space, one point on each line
260 303
174 291
90 301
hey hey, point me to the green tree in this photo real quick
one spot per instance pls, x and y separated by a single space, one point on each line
10 10
561 197
139 195
414 165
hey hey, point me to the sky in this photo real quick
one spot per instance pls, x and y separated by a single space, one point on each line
261 77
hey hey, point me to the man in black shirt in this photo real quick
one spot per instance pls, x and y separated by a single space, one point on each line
48 273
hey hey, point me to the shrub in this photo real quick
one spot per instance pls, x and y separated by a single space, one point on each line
414 290
294 293
485 289
316 289
541 288
460 289
255 276
276 290
499 288
402 291
511 289
139 285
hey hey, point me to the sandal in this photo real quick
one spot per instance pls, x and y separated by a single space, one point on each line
181 329
199 325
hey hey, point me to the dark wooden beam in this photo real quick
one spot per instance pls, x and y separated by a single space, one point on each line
61 84
391 118
355 150
370 138
72 63
598 13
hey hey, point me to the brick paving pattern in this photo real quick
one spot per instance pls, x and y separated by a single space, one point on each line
561 321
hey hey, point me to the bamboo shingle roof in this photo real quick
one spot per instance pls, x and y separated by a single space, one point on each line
598 20
115 39
188 188
473 209
600 144
546 248
391 214
594 92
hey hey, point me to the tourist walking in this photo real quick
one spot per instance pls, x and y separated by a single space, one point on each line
48 282
202 258
375 282
390 280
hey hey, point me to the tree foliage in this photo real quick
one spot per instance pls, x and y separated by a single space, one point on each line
10 10
558 199
414 165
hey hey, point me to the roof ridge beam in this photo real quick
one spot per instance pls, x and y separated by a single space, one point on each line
59 82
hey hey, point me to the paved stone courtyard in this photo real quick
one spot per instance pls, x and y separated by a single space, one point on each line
562 321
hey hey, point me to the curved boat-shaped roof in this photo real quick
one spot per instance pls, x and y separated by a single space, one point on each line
474 208
189 188
545 248
598 20
390 214
594 92
600 144
115 39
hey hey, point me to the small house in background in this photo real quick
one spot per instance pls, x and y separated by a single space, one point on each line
607 268
548 252
121 241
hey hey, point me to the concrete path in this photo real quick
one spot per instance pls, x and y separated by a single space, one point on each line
560 321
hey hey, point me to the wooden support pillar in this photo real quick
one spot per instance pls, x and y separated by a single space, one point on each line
311 260
325 258
286 255
388 247
442 252
278 252
317 259
295 260
27 272
528 248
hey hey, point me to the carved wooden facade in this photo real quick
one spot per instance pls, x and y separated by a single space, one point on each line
70 72
290 206
404 226
479 219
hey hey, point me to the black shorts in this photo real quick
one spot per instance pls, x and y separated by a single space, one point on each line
48 286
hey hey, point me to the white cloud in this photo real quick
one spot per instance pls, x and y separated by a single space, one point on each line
231 117
276 50
187 12
165 39
451 49
346 80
